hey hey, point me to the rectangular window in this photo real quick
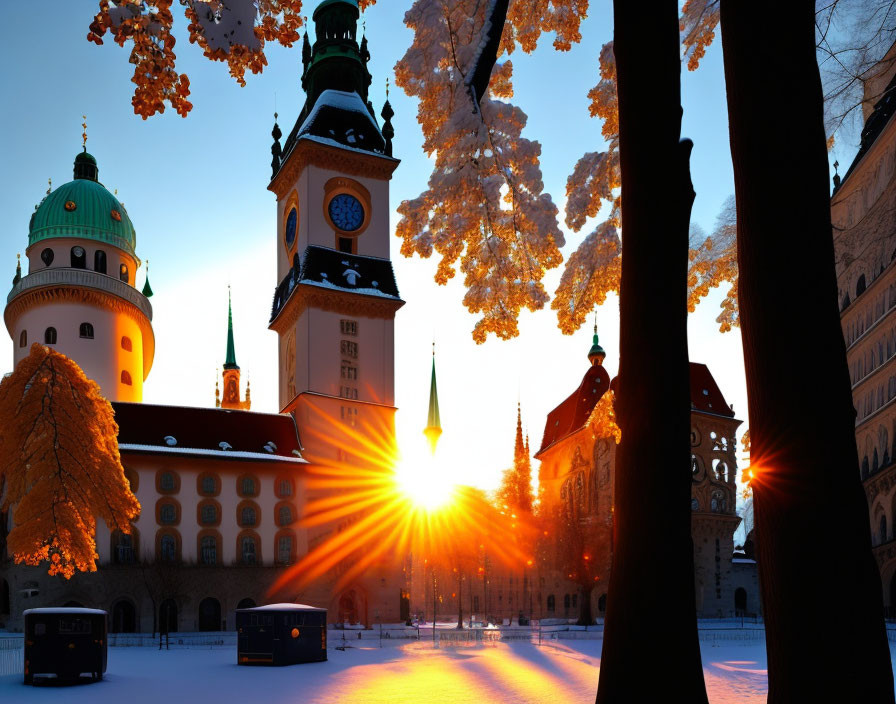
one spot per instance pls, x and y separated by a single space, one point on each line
284 550
348 348
348 392
349 372
348 327
349 415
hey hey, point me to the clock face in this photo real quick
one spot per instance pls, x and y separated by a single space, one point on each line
346 212
291 221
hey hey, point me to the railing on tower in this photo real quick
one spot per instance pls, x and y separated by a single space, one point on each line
81 277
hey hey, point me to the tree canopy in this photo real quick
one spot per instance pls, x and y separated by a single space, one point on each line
59 464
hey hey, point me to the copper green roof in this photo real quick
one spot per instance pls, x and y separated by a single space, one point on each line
327 3
83 208
230 361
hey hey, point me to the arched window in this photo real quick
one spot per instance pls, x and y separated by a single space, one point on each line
124 618
99 261
566 601
126 377
79 258
285 549
552 603
50 336
210 614
284 488
86 331
248 550
168 514
284 515
123 273
208 485
167 548
126 344
209 514
860 286
208 550
23 339
248 487
167 482
124 548
248 516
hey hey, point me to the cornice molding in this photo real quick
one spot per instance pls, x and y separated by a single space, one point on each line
308 152
333 301
34 298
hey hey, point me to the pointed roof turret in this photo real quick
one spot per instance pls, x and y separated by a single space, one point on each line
596 354
433 423
230 360
519 448
147 289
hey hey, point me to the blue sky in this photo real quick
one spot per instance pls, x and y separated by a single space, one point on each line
195 189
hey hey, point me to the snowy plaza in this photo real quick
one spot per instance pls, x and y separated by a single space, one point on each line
516 672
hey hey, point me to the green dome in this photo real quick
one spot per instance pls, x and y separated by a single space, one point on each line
83 208
327 3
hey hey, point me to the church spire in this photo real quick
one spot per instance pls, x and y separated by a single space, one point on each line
596 354
519 448
433 424
230 361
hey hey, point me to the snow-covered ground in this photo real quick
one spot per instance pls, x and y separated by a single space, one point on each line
511 672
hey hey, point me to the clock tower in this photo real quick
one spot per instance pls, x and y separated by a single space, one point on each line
334 307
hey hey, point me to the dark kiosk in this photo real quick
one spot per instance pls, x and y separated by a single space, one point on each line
65 643
281 634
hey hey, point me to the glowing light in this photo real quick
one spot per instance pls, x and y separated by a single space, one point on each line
424 479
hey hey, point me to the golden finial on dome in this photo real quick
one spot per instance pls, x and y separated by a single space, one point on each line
387 87
49 185
84 133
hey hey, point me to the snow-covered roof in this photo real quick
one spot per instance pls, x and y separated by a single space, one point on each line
227 435
217 454
341 100
64 611
284 607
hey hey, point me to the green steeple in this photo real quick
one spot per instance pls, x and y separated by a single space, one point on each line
336 60
596 354
147 289
433 424
230 361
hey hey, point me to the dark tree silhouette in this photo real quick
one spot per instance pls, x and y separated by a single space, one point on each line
802 419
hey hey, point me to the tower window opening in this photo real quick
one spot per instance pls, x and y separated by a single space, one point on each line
86 331
47 256
349 372
126 344
23 339
348 348
348 327
123 273
50 336
99 261
79 258
126 377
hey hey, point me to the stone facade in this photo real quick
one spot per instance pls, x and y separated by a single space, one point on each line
864 229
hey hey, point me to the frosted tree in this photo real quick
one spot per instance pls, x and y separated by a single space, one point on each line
59 464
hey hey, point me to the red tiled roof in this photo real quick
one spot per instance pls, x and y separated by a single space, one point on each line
572 414
705 393
148 425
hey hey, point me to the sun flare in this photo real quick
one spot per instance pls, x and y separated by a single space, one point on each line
424 480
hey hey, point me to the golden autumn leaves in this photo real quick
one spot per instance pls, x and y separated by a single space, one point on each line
59 464
148 24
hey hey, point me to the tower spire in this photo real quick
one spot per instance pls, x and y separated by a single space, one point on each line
433 424
230 360
596 354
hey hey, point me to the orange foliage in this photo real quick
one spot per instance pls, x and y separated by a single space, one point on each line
59 464
148 24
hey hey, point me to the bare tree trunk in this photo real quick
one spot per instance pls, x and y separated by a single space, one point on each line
802 420
653 482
